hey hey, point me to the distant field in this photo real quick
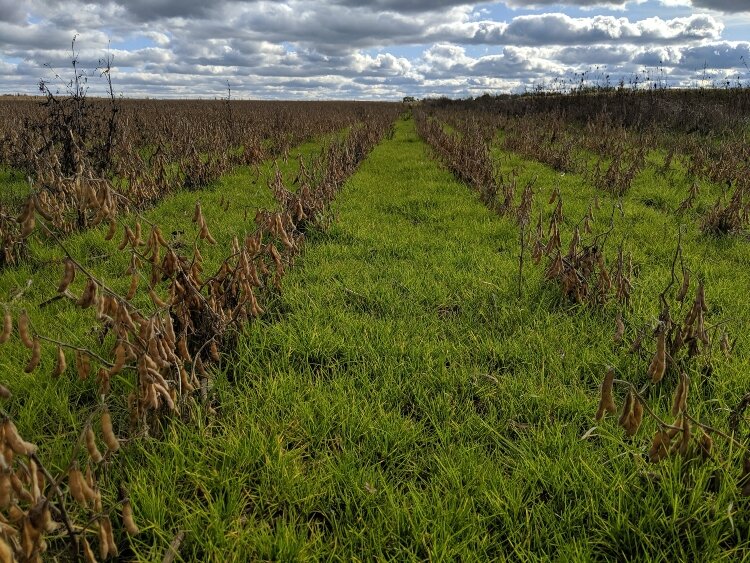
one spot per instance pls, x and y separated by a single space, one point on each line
369 331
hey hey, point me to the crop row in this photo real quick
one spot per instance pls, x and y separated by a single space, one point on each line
151 343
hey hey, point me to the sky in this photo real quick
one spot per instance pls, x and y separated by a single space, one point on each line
382 49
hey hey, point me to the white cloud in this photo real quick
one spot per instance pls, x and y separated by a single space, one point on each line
340 48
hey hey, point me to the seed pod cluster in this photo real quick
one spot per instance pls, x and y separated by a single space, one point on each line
26 515
582 272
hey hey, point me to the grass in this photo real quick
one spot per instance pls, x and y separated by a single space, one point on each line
14 187
404 403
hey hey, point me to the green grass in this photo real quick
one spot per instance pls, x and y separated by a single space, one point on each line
402 402
13 188
406 405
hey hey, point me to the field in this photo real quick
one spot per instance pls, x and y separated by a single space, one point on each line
507 328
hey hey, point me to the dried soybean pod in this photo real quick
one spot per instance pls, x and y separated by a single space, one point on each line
23 330
680 394
106 523
19 488
36 355
619 329
28 226
606 401
14 440
88 554
105 386
128 521
103 539
36 490
183 349
636 418
160 237
83 365
69 274
674 431
659 362
15 514
169 331
156 300
627 410
6 552
28 211
685 286
199 367
112 230
214 351
700 297
88 297
76 485
119 359
133 286
659 447
89 489
136 239
126 234
94 452
206 234
60 363
113 444
187 387
685 439
7 327
6 489
706 444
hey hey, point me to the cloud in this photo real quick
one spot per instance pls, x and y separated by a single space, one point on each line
12 11
353 48
560 29
729 6
407 6
585 4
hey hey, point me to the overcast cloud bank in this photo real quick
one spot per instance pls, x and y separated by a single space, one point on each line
384 49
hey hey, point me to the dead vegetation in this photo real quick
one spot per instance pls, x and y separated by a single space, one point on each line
165 348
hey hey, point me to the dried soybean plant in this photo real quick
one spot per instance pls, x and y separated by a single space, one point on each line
37 509
729 217
93 161
582 271
679 347
165 348
466 153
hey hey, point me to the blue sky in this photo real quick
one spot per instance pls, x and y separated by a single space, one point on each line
381 49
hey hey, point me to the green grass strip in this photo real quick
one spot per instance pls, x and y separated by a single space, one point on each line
407 405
